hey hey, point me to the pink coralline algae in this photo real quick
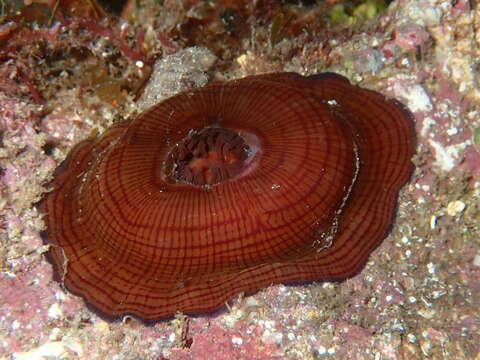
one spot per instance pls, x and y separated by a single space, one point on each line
25 295
410 37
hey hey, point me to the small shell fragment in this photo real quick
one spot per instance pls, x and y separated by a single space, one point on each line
455 208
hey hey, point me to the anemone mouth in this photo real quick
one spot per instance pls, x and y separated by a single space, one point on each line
208 156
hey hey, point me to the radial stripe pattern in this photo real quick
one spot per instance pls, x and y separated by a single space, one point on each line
228 189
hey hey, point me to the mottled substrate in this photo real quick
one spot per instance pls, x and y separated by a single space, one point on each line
418 295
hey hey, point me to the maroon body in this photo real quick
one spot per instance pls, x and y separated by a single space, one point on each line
227 189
